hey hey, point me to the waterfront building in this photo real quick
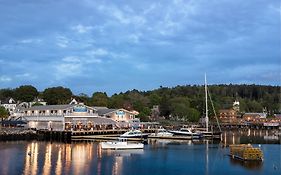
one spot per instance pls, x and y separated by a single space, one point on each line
228 115
75 117
254 117
61 117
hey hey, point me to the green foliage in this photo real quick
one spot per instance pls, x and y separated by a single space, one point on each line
37 104
193 115
57 95
3 112
117 101
83 98
179 107
99 99
6 93
26 93
185 102
144 114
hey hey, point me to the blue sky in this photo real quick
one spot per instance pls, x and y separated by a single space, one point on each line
115 46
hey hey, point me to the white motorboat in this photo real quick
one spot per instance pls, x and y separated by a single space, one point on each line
134 134
121 143
162 133
187 132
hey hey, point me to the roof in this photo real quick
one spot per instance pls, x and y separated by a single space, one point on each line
50 107
255 114
6 101
102 120
104 111
13 122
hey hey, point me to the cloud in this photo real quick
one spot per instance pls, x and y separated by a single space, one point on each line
71 59
5 78
29 41
81 28
68 66
62 41
99 52
156 43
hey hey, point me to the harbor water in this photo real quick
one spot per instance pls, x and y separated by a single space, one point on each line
157 157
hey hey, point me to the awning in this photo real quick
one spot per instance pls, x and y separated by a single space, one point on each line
13 122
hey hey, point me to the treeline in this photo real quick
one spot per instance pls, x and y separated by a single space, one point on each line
181 102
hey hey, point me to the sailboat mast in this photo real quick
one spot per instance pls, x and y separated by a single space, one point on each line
206 104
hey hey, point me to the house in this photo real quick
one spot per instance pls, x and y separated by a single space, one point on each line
38 101
228 115
9 104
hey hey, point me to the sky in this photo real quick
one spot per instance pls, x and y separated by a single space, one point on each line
115 46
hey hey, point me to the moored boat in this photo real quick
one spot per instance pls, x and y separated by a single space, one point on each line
121 143
134 134
187 132
162 133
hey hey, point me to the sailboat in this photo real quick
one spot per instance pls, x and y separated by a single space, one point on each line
205 131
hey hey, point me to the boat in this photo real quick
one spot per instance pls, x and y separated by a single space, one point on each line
134 134
121 143
205 131
187 132
245 152
162 133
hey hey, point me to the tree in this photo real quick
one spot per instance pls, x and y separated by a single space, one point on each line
100 99
192 115
6 93
57 95
179 107
26 93
116 101
3 113
84 98
144 114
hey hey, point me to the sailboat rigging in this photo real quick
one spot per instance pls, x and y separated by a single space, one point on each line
205 131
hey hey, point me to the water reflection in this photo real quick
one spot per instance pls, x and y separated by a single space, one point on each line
204 157
31 159
47 162
252 165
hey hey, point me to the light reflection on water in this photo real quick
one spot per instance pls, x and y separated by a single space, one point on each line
158 157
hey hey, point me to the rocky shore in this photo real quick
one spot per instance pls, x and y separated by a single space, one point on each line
9 134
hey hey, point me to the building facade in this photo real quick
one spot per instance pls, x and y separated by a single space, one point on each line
228 116
74 117
9 104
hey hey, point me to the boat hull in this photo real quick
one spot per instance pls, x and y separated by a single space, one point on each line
142 136
121 145
188 134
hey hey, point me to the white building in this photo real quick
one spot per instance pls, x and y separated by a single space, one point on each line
74 117
9 104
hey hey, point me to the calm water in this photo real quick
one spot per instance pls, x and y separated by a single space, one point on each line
165 157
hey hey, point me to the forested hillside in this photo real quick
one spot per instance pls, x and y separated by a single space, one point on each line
181 101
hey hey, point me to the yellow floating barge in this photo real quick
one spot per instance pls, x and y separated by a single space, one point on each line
246 152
